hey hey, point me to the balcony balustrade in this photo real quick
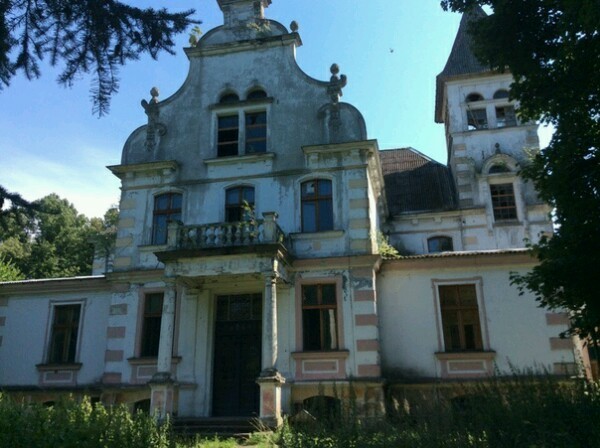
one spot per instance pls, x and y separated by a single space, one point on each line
225 234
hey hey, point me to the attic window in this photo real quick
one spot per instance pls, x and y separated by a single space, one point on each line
501 94
472 97
229 98
256 94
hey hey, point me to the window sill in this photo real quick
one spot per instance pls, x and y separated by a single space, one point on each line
466 364
230 160
241 104
333 354
508 223
49 367
317 235
466 355
144 361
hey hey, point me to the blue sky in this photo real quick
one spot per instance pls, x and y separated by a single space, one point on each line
391 51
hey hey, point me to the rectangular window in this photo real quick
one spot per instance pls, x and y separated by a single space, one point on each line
460 318
239 203
317 206
505 116
167 207
256 132
476 119
319 317
153 304
503 202
228 136
63 338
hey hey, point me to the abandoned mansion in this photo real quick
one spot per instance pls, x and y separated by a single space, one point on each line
262 261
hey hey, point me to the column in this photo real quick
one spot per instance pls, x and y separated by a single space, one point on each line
269 339
162 384
270 380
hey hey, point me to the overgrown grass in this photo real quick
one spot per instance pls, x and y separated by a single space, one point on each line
523 411
520 412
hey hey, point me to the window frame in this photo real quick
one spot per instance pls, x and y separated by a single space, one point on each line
143 351
337 282
439 237
242 109
316 199
169 212
239 206
54 305
498 210
477 284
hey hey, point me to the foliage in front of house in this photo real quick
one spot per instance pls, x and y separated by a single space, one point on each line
522 411
68 424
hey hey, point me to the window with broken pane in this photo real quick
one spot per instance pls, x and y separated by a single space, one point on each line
319 317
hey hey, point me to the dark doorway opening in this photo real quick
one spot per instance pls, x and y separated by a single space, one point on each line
237 358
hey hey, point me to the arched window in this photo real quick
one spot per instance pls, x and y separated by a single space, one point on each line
317 205
323 408
238 203
476 116
501 94
167 207
439 244
256 94
498 168
229 98
471 97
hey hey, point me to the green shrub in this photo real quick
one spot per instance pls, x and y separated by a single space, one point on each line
69 424
529 411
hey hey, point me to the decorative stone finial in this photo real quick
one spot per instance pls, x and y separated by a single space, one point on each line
154 127
336 84
334 89
294 26
497 146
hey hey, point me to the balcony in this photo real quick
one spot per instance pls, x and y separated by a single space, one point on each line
224 235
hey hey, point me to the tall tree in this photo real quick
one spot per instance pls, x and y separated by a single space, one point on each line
56 240
83 37
552 49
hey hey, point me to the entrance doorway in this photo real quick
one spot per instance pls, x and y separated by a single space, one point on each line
237 359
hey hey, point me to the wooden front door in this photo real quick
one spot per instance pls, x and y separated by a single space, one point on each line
237 359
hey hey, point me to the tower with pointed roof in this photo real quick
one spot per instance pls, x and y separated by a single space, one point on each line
487 142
